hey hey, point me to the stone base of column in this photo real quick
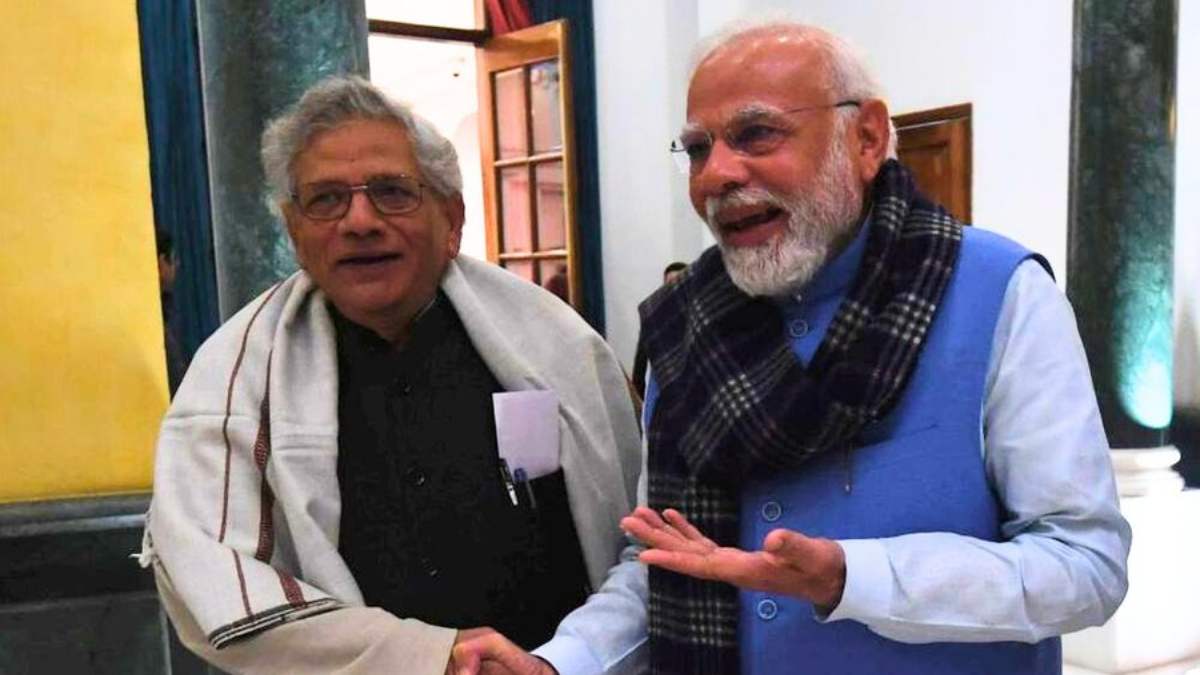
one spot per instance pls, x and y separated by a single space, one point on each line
1189 667
1155 631
1146 471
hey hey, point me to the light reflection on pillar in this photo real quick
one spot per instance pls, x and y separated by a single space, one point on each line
1143 345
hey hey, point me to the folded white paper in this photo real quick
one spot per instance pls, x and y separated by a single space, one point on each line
527 430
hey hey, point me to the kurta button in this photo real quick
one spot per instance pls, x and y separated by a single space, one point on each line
767 609
798 328
771 511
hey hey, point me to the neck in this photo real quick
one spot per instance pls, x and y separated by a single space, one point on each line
843 239
395 326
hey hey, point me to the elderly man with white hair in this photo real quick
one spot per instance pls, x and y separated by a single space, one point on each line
331 493
873 442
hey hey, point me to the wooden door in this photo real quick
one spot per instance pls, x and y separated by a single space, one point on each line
527 150
936 146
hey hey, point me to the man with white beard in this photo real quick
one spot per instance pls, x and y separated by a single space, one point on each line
873 441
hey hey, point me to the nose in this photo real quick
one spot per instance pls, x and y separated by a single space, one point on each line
362 218
723 171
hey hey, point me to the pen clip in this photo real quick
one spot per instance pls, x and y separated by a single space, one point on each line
508 481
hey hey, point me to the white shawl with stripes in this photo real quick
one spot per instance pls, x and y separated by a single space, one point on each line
246 507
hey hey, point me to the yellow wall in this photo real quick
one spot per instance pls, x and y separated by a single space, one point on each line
82 374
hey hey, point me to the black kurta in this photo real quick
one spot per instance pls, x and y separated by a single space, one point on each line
428 527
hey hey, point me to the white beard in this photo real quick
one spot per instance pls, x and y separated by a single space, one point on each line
817 218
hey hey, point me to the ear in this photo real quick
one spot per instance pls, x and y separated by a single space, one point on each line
872 131
456 215
292 220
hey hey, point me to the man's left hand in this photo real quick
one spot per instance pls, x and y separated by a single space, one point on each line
789 562
483 650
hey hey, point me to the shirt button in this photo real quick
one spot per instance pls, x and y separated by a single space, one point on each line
798 328
771 511
416 476
767 609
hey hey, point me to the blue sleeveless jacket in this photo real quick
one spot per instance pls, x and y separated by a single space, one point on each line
920 469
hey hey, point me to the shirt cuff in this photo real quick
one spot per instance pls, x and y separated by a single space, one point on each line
868 591
569 655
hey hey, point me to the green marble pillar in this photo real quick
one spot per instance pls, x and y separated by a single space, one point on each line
1122 206
257 57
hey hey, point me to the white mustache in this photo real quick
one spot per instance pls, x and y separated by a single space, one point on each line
742 197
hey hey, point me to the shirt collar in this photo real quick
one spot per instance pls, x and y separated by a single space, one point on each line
358 342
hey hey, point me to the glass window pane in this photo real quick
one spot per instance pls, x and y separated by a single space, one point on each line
515 230
521 268
544 106
438 80
510 114
552 272
551 208
452 13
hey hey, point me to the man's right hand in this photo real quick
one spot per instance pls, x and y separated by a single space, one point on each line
483 651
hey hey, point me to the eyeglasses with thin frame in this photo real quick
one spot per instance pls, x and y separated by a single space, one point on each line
390 195
750 134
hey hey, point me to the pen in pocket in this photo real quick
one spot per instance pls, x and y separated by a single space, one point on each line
523 478
508 481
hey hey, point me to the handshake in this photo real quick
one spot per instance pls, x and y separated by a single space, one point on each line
484 651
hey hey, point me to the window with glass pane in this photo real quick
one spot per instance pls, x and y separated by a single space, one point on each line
515 226
521 268
552 275
551 210
511 139
527 154
544 107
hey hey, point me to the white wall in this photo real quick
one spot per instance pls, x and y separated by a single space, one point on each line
641 49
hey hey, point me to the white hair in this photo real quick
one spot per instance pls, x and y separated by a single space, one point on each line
848 71
334 101
849 75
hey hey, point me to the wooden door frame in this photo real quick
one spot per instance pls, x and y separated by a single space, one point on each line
948 113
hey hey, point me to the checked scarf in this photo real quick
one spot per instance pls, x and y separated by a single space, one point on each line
735 400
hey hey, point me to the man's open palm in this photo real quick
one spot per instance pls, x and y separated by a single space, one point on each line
789 562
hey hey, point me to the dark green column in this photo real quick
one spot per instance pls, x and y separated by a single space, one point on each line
1122 207
258 56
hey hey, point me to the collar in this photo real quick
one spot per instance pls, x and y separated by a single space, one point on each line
359 342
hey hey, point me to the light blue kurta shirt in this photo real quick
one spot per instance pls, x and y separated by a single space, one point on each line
1062 564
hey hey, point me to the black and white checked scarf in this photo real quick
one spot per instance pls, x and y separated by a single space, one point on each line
735 400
